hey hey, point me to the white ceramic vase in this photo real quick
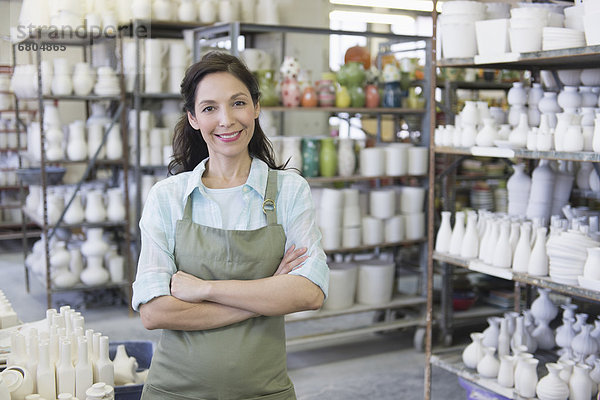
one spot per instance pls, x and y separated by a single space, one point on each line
516 94
474 351
502 250
115 209
346 157
490 334
104 368
503 338
75 214
541 192
77 146
94 273
526 380
518 136
444 233
591 268
551 386
506 375
538 260
45 375
94 245
565 333
65 372
124 366
488 366
470 243
84 376
487 134
94 207
542 308
580 384
544 336
458 233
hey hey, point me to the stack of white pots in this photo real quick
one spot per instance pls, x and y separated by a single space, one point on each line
330 217
504 352
179 60
457 28
155 74
8 316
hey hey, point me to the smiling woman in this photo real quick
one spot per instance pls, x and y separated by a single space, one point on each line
229 246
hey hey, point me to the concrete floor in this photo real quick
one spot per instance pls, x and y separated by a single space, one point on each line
374 367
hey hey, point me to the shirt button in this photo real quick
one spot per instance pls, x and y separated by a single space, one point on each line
246 189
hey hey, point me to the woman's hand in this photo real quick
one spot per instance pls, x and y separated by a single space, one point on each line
189 288
292 258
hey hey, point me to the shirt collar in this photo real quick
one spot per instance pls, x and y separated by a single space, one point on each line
257 179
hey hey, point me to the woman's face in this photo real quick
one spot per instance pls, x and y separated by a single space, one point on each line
224 114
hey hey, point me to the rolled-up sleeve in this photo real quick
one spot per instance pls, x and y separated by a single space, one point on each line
156 262
301 230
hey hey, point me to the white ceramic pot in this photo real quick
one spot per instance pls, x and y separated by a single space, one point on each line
372 230
342 286
474 351
375 282
415 226
394 229
552 387
382 203
372 161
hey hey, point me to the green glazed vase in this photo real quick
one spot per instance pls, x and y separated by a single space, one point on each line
310 157
268 91
328 157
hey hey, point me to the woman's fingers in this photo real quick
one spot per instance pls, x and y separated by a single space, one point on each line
292 259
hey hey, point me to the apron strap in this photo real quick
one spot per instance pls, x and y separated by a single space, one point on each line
270 197
187 211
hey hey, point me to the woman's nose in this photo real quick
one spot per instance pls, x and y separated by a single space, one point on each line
226 118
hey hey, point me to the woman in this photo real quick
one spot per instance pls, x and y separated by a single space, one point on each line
214 272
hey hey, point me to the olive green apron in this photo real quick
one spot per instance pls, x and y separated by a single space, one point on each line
245 360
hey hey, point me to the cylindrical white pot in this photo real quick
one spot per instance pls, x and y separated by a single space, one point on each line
382 203
415 225
372 230
394 229
375 282
342 286
372 161
412 199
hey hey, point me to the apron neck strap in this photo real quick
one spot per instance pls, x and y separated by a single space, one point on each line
187 211
270 197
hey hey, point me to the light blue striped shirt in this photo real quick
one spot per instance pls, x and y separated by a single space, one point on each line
165 203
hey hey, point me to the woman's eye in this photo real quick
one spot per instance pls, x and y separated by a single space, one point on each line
239 103
208 109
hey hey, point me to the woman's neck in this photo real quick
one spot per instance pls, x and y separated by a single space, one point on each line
224 173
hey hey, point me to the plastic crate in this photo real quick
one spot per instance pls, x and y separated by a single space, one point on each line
142 351
475 392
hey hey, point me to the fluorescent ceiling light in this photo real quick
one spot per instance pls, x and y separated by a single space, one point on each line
412 5
371 18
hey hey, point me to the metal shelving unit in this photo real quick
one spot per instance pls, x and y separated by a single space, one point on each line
42 226
254 34
450 359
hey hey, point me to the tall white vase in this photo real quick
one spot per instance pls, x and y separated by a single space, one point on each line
506 375
94 207
542 189
104 366
580 384
444 233
84 377
523 250
527 378
596 136
65 372
470 243
503 250
518 186
538 261
458 233
542 308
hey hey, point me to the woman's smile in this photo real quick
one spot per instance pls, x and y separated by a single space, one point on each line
229 137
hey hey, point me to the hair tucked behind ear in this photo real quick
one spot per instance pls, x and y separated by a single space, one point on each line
189 148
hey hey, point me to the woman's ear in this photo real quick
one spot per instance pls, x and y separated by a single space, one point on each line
257 110
192 120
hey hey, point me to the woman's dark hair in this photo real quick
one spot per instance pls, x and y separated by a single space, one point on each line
189 148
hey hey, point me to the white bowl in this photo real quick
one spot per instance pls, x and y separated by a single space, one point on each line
569 77
492 36
590 77
523 40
